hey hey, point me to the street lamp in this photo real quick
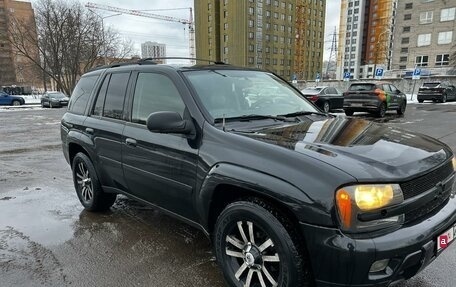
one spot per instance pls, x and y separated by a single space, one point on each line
103 33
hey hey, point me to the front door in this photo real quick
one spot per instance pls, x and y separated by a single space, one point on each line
159 168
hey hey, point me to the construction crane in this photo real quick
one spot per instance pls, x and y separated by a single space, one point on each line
300 58
189 22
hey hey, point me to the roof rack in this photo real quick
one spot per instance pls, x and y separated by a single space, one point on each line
151 61
181 58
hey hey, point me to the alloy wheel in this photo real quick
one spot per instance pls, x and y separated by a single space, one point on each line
252 254
84 182
326 107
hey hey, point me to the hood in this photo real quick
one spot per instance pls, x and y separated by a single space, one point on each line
366 150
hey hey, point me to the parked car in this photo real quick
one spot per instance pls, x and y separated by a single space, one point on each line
6 99
436 92
375 98
54 100
289 196
326 98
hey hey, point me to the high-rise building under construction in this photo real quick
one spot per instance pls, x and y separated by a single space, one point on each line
365 37
285 37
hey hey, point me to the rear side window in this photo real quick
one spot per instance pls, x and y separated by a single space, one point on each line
431 85
98 109
115 96
154 93
362 87
81 94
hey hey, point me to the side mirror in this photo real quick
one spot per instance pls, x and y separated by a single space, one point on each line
169 122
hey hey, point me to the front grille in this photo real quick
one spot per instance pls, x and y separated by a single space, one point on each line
425 182
433 206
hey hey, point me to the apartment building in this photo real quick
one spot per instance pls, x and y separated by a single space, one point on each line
424 36
153 50
365 37
14 68
285 36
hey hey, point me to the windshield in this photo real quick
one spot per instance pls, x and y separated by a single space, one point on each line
57 95
234 93
362 87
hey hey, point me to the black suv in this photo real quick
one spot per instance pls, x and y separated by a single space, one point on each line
436 92
288 195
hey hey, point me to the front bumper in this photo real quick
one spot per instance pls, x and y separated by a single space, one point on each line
341 260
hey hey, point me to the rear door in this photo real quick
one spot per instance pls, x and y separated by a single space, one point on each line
391 100
105 125
159 168
336 98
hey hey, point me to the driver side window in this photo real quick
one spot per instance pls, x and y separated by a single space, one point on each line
154 93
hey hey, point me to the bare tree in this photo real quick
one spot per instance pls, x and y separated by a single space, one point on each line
69 39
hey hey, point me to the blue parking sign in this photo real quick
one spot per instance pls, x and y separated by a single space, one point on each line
416 74
346 76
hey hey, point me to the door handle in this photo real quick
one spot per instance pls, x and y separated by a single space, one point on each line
130 142
89 131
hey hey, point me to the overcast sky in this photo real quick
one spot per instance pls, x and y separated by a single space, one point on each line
175 35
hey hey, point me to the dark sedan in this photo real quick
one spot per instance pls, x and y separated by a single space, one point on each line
54 99
436 92
326 98
10 100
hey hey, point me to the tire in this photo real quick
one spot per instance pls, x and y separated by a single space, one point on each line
444 99
381 112
402 108
420 101
15 103
349 112
87 185
42 104
50 105
326 107
269 251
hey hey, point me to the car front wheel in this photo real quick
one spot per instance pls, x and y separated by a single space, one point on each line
444 99
87 185
254 248
401 109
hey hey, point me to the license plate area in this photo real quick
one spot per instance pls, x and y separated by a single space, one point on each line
444 240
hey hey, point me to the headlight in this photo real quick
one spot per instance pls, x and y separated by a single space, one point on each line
353 201
454 163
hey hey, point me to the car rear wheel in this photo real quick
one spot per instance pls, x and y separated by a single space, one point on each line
381 111
401 109
254 247
349 112
326 107
16 103
87 185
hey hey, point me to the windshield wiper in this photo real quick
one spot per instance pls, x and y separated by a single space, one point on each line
304 113
253 117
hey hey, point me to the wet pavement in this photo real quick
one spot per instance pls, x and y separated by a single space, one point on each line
47 239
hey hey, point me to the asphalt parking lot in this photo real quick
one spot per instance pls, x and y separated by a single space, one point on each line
47 239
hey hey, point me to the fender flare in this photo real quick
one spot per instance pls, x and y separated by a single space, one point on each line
265 185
